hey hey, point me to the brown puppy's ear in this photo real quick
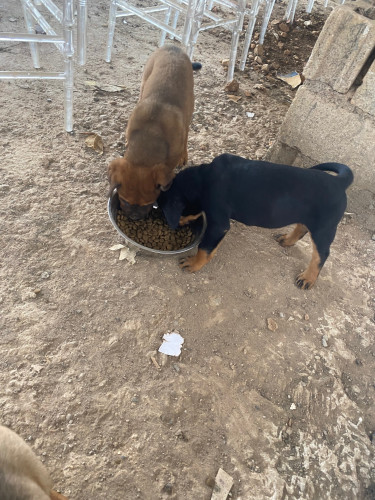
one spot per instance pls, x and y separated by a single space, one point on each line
112 187
163 177
115 169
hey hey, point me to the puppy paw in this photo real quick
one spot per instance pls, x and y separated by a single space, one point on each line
190 264
303 282
282 239
196 262
189 218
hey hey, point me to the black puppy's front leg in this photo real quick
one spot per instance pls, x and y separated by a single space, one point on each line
208 247
189 218
288 240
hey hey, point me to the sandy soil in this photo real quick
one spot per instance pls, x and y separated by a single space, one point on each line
287 412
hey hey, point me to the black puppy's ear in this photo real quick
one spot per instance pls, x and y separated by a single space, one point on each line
172 206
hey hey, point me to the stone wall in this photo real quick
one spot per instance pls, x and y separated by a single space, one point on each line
332 117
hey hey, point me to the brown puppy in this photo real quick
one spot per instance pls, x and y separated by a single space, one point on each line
157 132
22 475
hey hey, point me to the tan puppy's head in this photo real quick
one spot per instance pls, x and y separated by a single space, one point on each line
138 187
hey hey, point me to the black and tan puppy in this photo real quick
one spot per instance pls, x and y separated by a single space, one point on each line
22 474
262 194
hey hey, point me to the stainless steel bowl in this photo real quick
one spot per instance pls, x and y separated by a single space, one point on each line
198 227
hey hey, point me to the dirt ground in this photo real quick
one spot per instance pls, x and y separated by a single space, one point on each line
288 412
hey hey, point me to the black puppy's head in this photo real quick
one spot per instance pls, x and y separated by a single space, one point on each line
172 203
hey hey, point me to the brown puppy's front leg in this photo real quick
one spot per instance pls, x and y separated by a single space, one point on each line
288 240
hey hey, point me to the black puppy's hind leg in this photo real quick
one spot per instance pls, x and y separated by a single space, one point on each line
207 249
288 240
321 240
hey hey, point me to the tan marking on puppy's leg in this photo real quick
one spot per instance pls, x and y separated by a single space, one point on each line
196 262
188 218
307 279
288 240
214 251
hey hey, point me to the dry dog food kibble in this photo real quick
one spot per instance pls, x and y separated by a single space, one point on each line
154 232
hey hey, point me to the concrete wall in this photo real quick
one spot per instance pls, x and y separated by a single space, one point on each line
332 117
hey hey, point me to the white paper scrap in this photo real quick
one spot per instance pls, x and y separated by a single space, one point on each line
172 343
129 255
223 485
117 247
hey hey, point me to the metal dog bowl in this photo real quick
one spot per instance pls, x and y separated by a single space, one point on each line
198 228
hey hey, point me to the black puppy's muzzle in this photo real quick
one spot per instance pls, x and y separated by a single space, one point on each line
135 212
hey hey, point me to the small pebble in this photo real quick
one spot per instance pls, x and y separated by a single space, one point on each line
272 325
284 27
168 488
210 482
232 86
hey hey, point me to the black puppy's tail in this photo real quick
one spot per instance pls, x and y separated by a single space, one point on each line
344 174
196 66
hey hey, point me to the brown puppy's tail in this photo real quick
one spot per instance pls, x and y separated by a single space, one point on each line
344 174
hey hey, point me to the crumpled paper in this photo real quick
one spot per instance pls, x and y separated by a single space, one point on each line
172 343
